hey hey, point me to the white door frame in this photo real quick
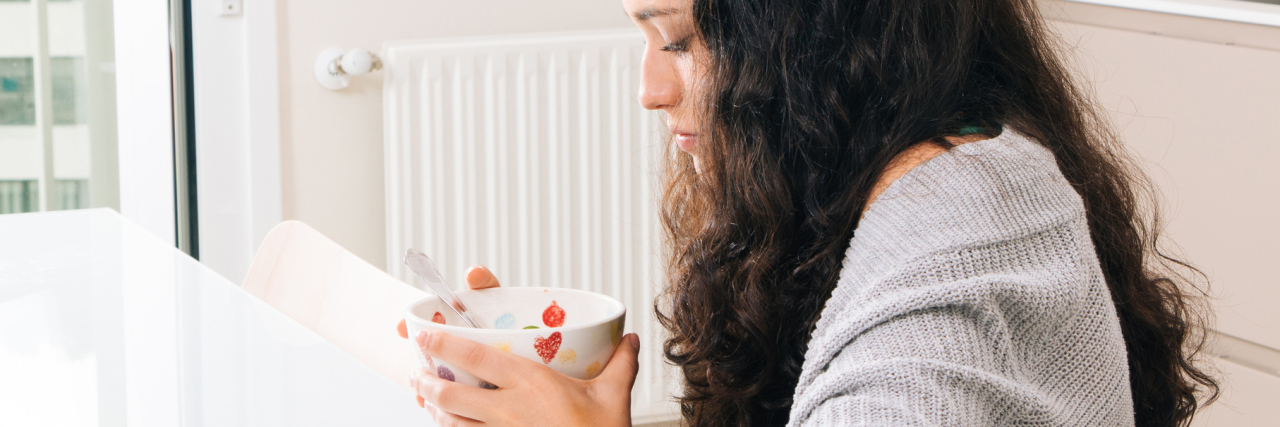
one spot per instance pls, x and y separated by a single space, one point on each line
237 128
144 112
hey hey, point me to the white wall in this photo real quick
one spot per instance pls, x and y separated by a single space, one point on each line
1195 100
331 142
1200 116
18 33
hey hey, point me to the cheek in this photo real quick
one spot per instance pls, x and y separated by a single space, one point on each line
692 92
688 77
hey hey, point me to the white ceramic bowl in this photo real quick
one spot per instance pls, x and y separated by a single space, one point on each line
571 331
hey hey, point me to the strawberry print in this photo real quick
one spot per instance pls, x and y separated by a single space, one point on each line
547 347
553 316
444 373
487 385
593 369
437 318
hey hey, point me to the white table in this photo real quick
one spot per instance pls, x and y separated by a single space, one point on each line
102 324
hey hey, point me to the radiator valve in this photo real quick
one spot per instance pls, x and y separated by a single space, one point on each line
335 67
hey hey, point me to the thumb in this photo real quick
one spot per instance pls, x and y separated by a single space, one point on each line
402 330
624 364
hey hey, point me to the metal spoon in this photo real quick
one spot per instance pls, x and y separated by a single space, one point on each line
426 271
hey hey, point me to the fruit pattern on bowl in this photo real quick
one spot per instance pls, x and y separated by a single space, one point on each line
549 348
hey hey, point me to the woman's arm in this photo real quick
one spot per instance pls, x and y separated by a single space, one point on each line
929 367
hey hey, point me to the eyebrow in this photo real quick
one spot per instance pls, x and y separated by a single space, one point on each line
649 12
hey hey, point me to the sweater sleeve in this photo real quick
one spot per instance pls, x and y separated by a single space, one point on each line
931 367
970 295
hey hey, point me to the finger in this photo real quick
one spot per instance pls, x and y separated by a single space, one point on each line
479 277
624 364
402 329
495 366
445 419
458 399
413 384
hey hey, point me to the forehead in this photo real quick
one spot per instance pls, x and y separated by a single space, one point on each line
643 10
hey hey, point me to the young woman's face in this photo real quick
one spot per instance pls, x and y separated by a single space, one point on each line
669 77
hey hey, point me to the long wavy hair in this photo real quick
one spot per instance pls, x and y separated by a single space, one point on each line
806 102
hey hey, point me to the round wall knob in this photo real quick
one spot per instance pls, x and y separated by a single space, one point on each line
334 68
357 61
328 75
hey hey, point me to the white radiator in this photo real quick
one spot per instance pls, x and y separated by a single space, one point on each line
530 154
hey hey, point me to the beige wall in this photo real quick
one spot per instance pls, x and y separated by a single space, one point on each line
1196 100
332 141
1201 117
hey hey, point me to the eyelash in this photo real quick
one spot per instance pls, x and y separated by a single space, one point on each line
676 46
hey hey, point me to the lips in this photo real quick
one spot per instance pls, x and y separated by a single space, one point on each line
686 141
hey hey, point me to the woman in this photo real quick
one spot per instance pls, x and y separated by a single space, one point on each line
892 212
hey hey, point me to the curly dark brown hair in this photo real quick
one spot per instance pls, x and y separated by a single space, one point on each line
806 103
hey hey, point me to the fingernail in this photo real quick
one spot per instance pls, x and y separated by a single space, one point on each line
635 341
471 271
422 337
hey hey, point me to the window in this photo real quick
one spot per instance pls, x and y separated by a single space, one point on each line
18 196
23 196
17 92
82 99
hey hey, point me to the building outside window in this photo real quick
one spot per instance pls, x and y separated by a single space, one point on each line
81 84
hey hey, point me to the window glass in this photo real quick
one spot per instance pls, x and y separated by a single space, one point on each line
69 106
17 93
81 92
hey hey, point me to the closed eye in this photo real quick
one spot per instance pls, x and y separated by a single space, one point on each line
676 46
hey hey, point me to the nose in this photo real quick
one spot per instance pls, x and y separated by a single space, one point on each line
659 82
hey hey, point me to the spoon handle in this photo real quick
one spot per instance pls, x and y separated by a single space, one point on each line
422 267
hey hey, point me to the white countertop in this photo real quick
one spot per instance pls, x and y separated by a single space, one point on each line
102 324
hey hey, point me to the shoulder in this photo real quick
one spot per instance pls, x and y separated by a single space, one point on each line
908 160
993 208
973 267
976 193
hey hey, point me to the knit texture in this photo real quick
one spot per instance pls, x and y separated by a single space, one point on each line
970 295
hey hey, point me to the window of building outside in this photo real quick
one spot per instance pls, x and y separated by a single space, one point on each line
81 92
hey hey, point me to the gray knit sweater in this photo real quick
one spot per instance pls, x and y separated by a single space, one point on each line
970 296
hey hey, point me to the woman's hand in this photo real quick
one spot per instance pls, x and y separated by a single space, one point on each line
528 393
478 277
